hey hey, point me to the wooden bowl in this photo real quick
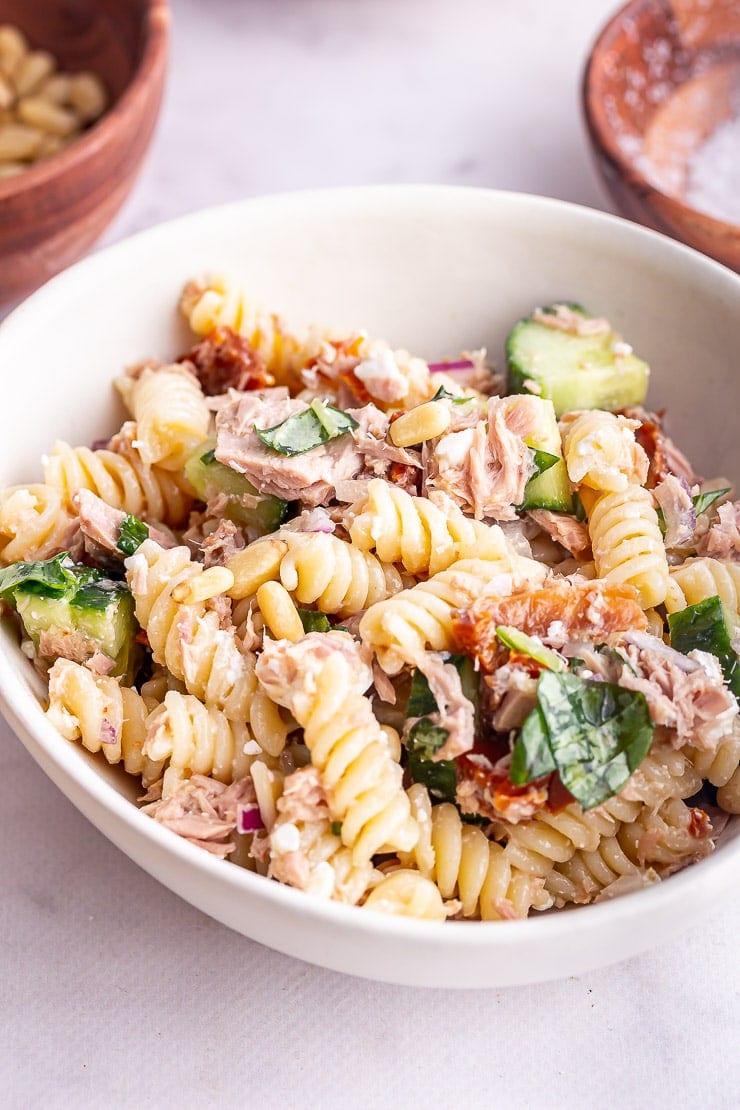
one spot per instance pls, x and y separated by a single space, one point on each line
661 76
52 212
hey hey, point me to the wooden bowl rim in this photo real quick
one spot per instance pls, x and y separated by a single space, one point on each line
156 22
603 137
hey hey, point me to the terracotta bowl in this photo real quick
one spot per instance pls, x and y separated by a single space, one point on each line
52 212
662 75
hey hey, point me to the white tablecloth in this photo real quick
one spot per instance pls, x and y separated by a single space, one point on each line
114 993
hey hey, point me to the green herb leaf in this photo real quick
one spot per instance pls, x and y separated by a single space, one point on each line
336 828
209 457
131 534
303 431
532 757
47 578
580 511
520 642
704 501
543 461
440 776
443 394
313 621
707 626
97 594
598 733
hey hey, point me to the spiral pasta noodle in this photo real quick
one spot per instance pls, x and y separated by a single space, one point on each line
406 893
627 544
465 865
721 768
601 452
121 480
363 783
698 579
34 523
418 619
195 740
218 303
171 414
416 533
103 716
323 570
187 638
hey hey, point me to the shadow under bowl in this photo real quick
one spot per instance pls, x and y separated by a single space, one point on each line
53 211
661 77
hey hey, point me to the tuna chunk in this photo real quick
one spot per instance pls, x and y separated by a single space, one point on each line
486 467
454 710
673 496
722 541
564 529
310 477
204 811
101 525
685 693
287 670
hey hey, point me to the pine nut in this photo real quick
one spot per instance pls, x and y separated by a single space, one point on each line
88 96
255 565
32 70
202 587
46 116
18 142
13 46
279 612
420 424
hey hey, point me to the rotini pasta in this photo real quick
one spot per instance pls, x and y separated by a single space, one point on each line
601 452
188 638
400 629
418 534
103 716
698 579
171 414
34 523
196 740
120 479
627 544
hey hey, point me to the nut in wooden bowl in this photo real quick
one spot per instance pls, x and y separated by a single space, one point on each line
662 103
80 88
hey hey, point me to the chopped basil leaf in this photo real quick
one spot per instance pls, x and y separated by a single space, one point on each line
303 431
336 828
598 733
543 461
704 501
580 511
532 757
209 457
520 642
707 626
47 578
439 776
425 738
313 621
97 594
131 534
443 394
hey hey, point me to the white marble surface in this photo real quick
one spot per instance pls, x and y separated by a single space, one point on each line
113 993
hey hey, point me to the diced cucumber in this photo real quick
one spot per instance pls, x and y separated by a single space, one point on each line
708 626
574 371
551 489
208 476
101 613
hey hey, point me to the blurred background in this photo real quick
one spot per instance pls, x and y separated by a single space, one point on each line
268 95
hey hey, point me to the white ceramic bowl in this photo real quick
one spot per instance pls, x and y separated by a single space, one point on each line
436 270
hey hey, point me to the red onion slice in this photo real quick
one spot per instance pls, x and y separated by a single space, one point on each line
249 818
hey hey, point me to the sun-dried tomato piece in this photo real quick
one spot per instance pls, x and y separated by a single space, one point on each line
700 826
586 610
226 360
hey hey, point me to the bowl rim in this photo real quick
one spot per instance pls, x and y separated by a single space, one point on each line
703 882
155 27
603 138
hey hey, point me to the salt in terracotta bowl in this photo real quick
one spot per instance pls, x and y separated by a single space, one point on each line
662 75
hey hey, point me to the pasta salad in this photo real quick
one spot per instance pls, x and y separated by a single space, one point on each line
418 637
